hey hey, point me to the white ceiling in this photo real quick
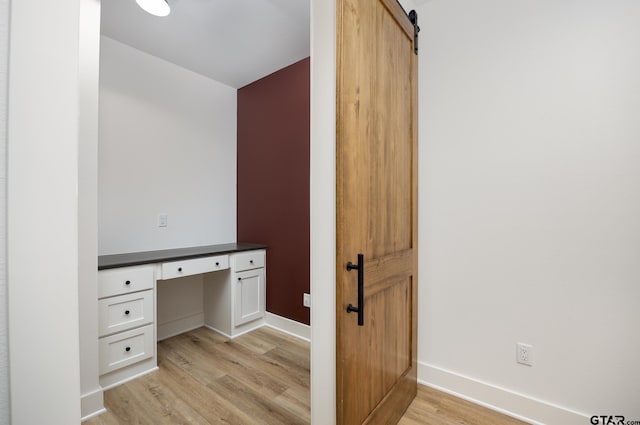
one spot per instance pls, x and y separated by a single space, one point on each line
232 41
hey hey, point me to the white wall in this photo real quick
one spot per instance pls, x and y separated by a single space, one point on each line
4 349
42 213
167 145
322 212
530 204
90 391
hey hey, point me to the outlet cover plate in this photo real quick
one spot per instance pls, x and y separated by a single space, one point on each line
524 354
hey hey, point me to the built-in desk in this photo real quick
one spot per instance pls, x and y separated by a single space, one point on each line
233 295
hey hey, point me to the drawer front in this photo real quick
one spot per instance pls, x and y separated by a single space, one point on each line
126 348
125 312
183 268
124 280
249 260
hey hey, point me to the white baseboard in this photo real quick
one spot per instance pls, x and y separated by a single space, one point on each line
179 326
108 384
279 323
92 404
244 329
511 403
93 415
218 331
288 326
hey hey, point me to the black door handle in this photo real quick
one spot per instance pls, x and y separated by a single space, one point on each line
360 308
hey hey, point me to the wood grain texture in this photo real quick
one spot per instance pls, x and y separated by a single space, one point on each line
204 378
258 378
434 407
376 199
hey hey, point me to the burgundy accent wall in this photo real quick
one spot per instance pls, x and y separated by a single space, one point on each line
273 182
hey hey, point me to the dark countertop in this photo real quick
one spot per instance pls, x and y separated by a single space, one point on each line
149 257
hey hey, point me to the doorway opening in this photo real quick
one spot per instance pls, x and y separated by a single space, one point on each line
197 110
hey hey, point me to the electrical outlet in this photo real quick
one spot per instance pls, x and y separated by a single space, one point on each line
524 354
163 220
306 300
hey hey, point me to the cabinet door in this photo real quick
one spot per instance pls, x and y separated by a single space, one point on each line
249 296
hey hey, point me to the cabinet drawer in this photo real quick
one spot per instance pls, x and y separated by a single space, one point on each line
195 266
125 312
125 348
248 260
124 280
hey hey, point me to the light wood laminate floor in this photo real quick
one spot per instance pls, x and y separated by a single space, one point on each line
434 407
258 378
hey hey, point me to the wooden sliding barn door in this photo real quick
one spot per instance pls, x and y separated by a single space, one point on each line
377 196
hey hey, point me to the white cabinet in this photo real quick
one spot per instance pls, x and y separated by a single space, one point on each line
126 323
124 312
234 295
126 348
248 260
235 301
193 266
248 296
124 280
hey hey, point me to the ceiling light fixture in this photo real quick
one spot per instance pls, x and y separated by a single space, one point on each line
155 7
